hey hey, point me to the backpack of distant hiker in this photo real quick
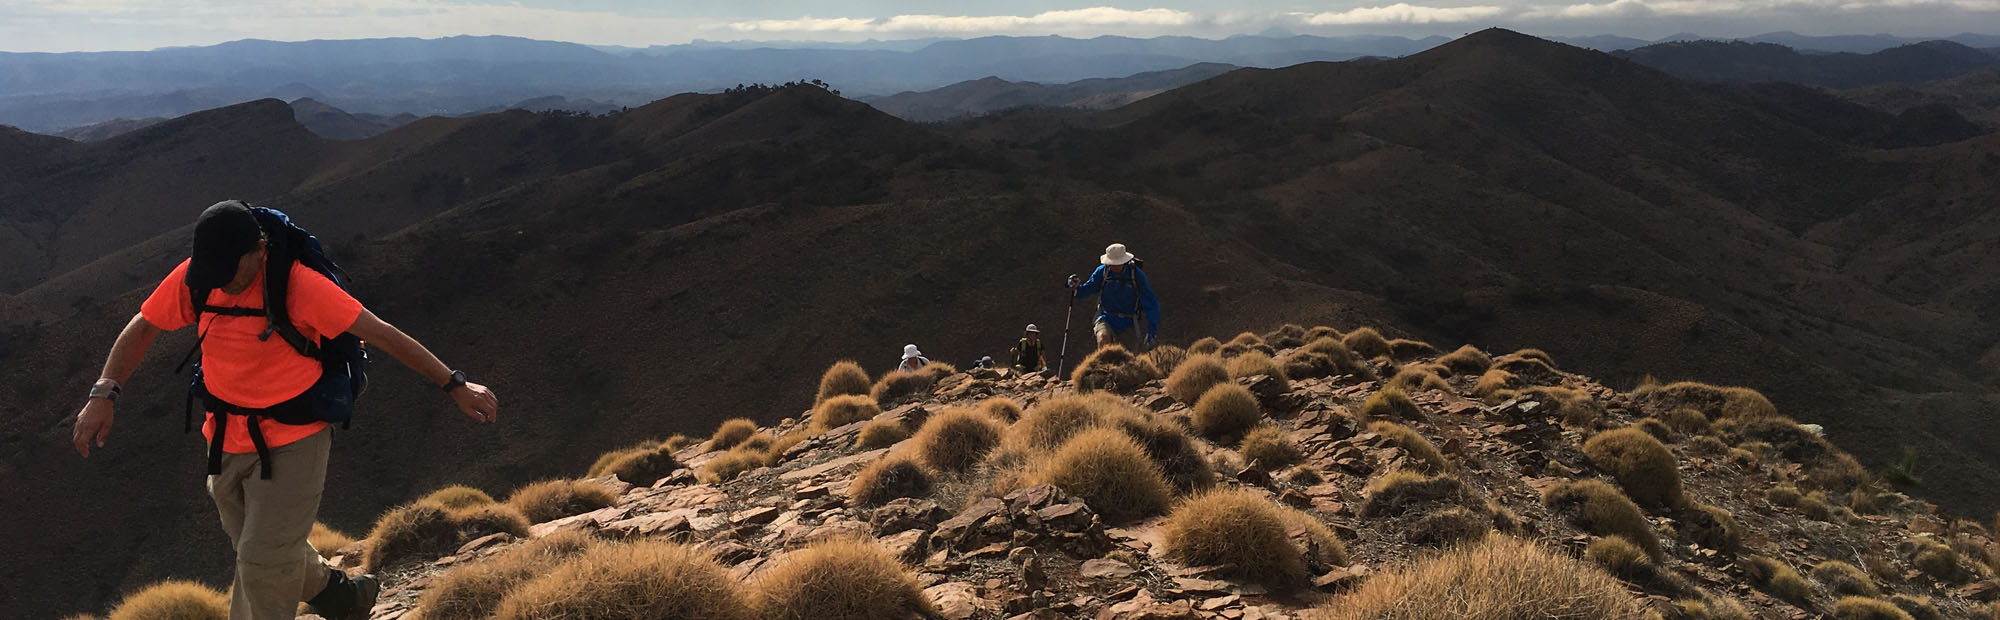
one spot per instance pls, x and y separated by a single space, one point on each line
343 359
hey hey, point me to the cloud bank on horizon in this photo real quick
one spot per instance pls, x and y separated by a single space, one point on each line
85 25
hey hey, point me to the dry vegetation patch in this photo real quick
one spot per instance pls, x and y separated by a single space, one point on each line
1601 509
173 600
839 579
881 433
1227 410
549 500
1112 368
891 477
1194 377
1270 447
1237 529
1643 466
838 411
956 439
731 432
622 581
843 378
1110 472
1501 578
472 591
1366 342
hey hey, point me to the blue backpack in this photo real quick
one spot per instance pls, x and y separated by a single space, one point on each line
343 358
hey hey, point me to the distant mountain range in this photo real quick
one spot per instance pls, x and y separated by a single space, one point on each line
991 94
1739 61
469 75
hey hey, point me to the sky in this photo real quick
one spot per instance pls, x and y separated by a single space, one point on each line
99 25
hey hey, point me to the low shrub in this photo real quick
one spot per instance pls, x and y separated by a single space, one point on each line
1051 422
1343 360
1287 336
728 465
1322 331
1536 355
1656 428
1270 447
1403 491
843 410
1865 608
891 477
1712 608
881 433
843 378
1844 579
1619 557
1643 465
1170 448
1238 530
1304 475
1687 421
956 439
1420 378
1496 385
1114 369
328 541
1110 472
1389 404
549 500
1195 376
1403 348
173 600
648 579
1227 410
1467 360
1254 364
1367 343
1711 527
1422 453
1450 527
1777 578
1918 607
472 591
642 467
1941 562
421 530
1166 358
839 579
731 432
1248 339
1502 578
1601 509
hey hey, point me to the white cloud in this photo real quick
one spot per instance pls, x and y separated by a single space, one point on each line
1065 20
1403 13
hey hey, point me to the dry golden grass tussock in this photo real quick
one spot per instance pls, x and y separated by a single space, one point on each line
1289 335
1918 607
1304 475
422 531
881 434
1619 557
1776 578
731 432
1367 343
1467 360
328 541
1712 608
1051 422
1389 404
839 579
1166 358
1254 364
843 410
1601 509
843 378
1534 354
472 591
1270 447
1195 376
888 478
1322 331
549 500
1401 491
1686 421
1227 410
639 580
1170 447
1420 378
458 496
1844 579
1343 359
1247 339
1403 349
1643 466
173 600
1502 578
902 384
956 439
1110 472
1205 346
1865 608
1114 369
1002 409
1422 452
641 467
1494 383
1237 529
733 463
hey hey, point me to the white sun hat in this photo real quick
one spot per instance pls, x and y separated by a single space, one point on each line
1032 328
1116 255
910 350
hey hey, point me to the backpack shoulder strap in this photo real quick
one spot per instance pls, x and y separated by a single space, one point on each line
283 245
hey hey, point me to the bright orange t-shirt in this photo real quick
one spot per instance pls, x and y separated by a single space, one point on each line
245 371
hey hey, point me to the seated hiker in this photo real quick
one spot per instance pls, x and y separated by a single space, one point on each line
912 358
1028 353
1128 313
269 400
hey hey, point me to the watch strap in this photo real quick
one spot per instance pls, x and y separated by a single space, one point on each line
457 381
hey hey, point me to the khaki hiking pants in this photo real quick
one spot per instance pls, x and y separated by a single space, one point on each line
1133 338
268 522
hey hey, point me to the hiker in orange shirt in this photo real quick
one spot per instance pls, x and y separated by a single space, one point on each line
274 396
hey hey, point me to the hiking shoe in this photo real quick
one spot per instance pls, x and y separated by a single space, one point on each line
366 588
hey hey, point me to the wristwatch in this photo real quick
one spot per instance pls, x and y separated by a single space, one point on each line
105 389
457 381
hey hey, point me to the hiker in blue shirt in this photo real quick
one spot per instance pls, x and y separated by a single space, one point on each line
1122 279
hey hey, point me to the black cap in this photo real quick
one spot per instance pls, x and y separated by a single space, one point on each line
222 235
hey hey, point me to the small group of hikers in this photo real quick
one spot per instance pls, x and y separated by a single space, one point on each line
1128 314
269 402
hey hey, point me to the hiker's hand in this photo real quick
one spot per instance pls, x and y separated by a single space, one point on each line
1073 281
476 402
93 424
1152 340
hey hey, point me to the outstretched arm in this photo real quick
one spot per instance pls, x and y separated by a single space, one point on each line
1091 286
93 423
473 399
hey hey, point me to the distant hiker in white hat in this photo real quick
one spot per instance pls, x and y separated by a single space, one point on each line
1127 313
252 274
912 358
1028 353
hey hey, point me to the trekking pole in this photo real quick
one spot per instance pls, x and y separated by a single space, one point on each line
1064 353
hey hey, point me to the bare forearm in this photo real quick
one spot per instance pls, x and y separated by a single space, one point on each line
130 349
411 353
